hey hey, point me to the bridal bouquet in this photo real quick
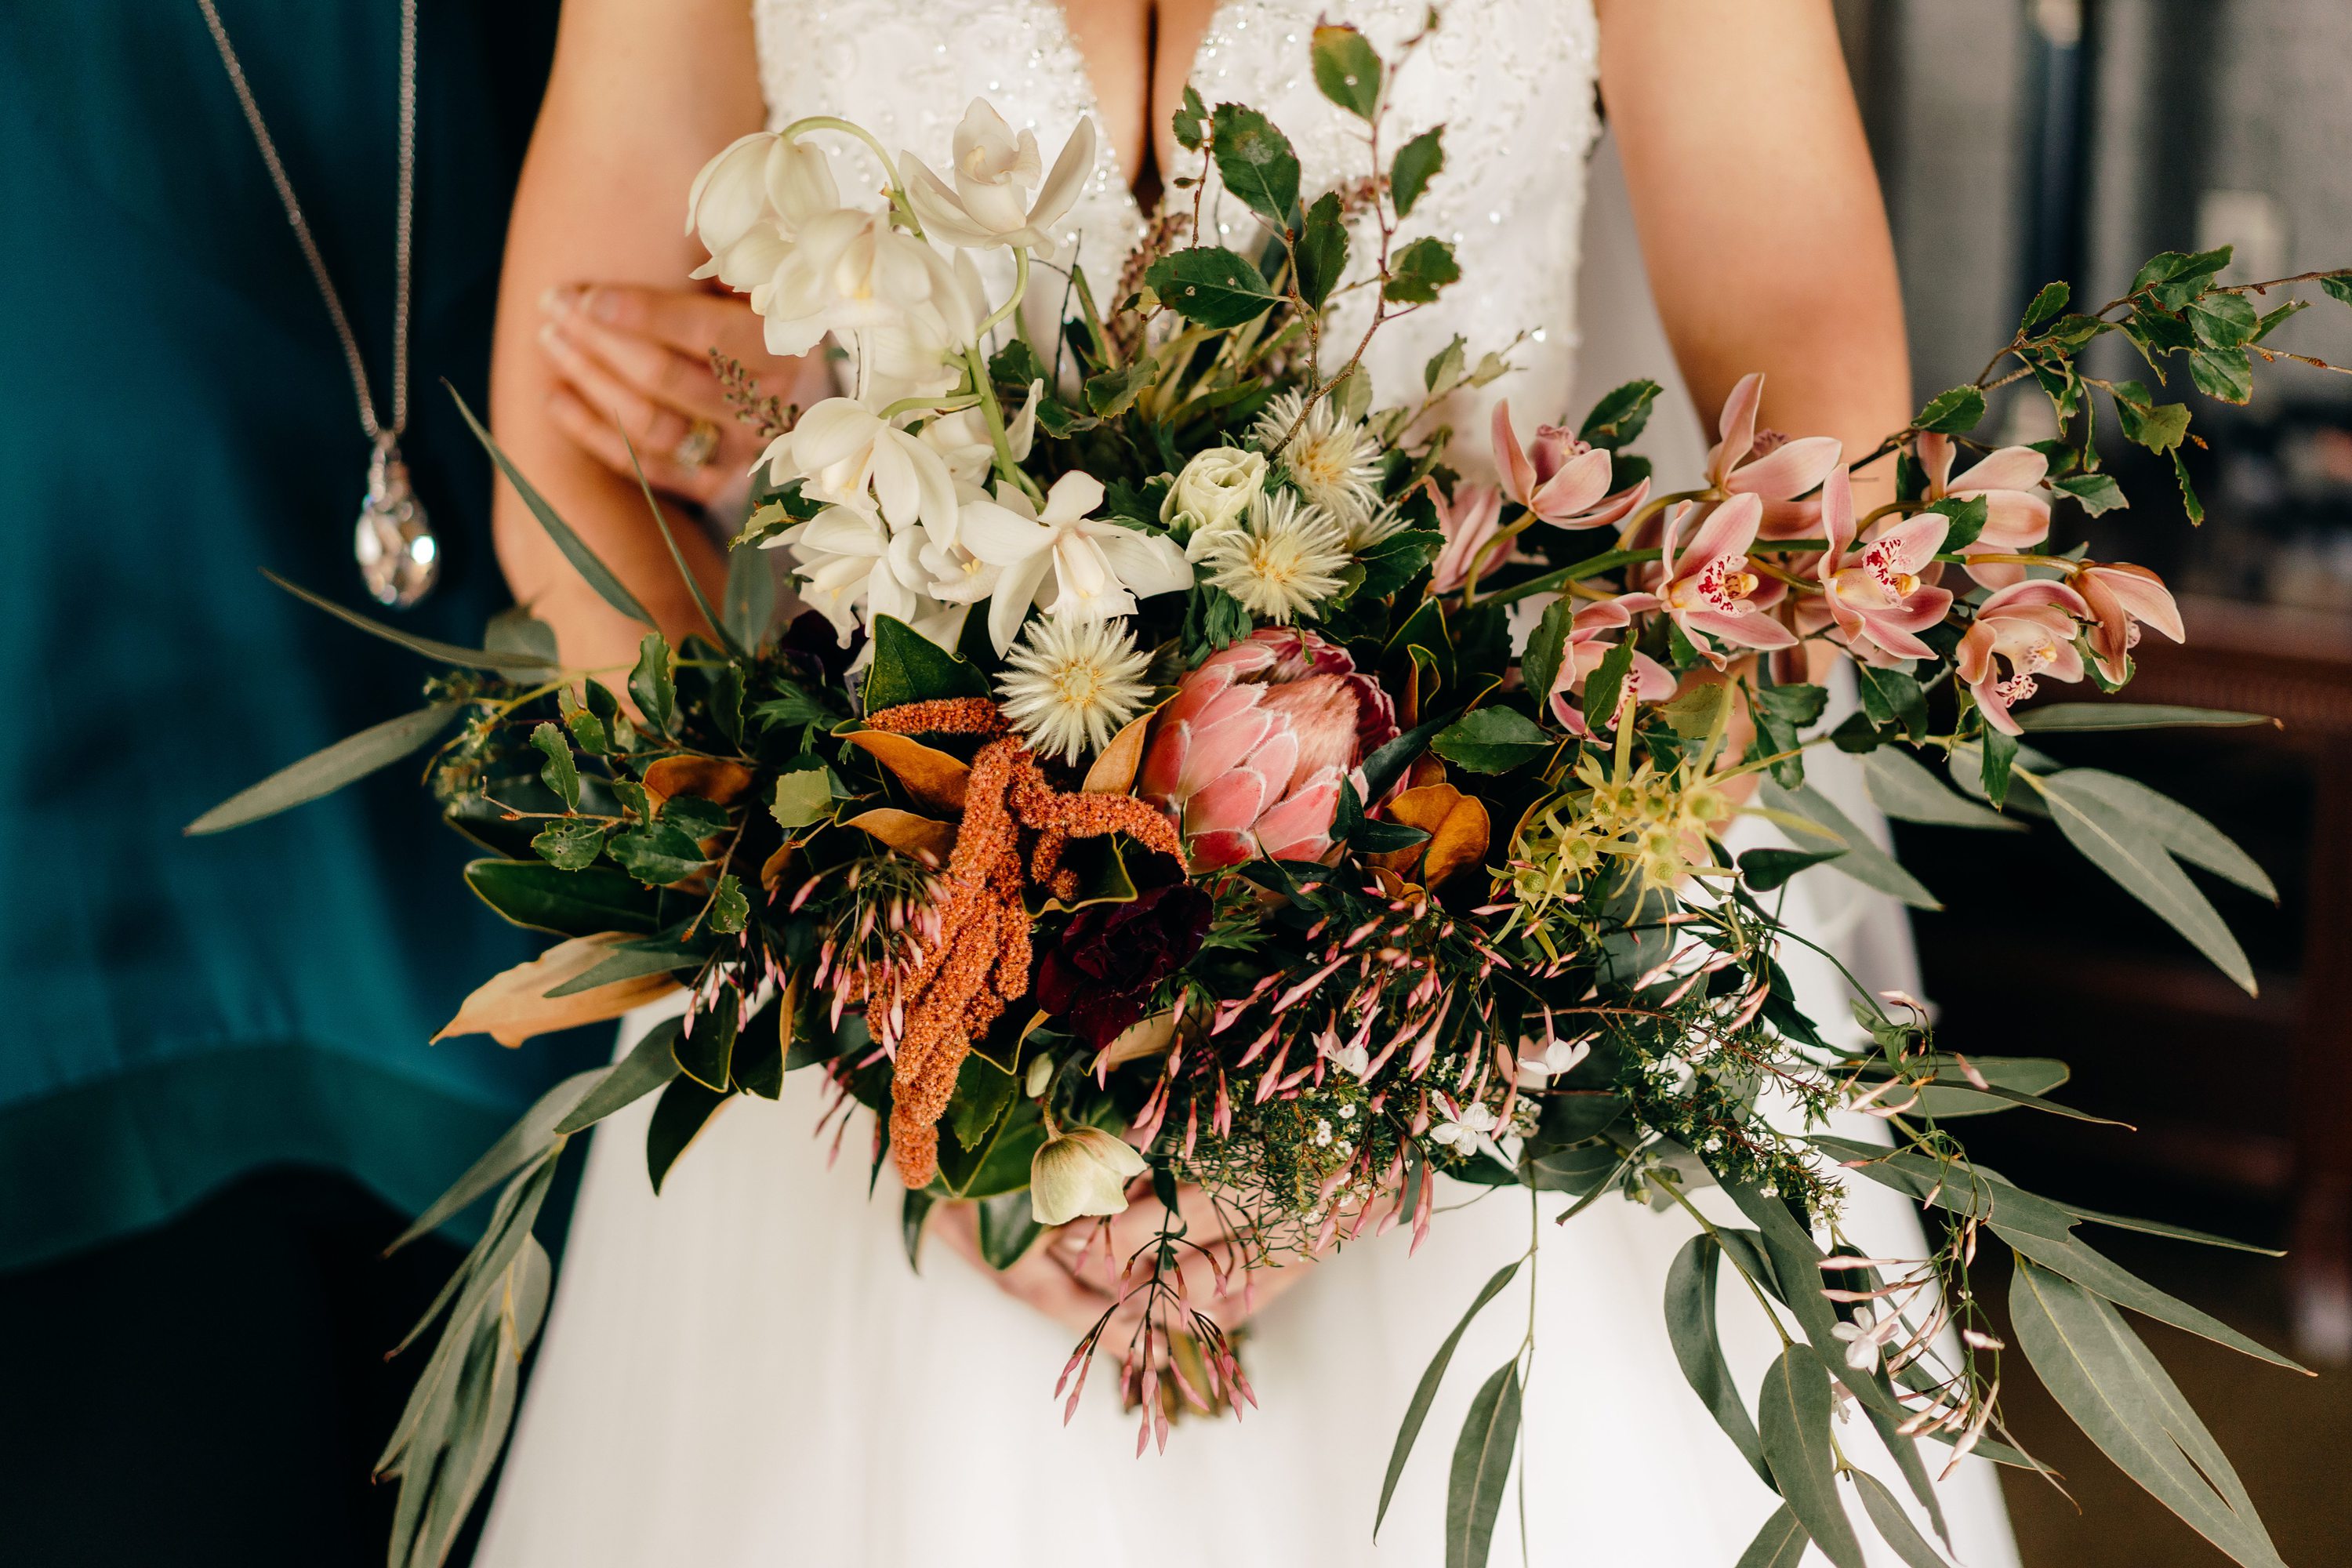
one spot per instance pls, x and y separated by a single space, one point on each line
1192 775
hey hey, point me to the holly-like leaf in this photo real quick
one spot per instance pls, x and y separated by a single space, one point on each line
560 773
651 684
1540 666
1321 255
1619 419
1255 161
2223 321
1419 270
657 854
911 668
730 912
2097 493
1605 686
1417 163
1967 520
1211 287
1493 740
1347 70
2159 427
2225 374
569 845
1191 121
1392 562
1953 413
802 797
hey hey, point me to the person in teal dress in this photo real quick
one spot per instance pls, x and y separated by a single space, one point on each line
216 1098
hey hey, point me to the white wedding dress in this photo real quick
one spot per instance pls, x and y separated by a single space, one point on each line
745 1371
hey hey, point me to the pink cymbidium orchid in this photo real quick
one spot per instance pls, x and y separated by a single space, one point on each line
2017 507
2031 627
1647 680
1706 586
2122 597
1874 594
1470 522
1250 751
1564 482
1775 468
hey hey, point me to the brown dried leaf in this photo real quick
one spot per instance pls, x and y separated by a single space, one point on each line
1458 832
1113 772
714 779
513 1006
933 776
1146 1037
922 839
771 874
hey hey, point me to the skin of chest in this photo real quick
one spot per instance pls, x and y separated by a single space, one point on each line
1137 55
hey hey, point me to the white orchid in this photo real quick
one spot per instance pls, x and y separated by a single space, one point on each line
962 442
853 567
1064 559
750 201
849 271
845 455
995 170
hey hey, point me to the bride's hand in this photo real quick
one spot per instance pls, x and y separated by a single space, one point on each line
1039 1279
1214 1263
638 360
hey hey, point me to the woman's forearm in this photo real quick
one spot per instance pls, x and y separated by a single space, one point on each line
1759 212
619 138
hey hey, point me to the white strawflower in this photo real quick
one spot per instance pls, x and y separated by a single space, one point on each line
1070 685
1281 560
1370 528
1333 459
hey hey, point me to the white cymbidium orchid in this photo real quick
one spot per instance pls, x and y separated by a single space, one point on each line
995 170
1064 558
847 455
962 442
750 201
853 567
849 271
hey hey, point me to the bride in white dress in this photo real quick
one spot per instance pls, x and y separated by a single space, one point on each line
744 1370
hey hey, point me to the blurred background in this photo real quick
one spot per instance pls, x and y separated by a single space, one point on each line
2029 140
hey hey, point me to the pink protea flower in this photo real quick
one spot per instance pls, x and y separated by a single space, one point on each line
1771 467
1565 482
2031 627
1249 752
2121 597
1876 595
2017 507
1469 521
1649 680
1706 587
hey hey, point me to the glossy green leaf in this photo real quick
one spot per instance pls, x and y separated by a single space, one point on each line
1690 1330
2052 300
1894 1525
652 684
570 903
630 960
1764 870
748 603
1953 413
325 772
1008 1228
1539 664
1347 70
1417 163
705 1053
569 846
685 1107
559 774
1191 120
1620 416
1494 741
2104 1377
1255 161
657 854
1482 1467
1417 1409
1795 1408
1604 689
1909 793
1211 287
583 560
1779 1544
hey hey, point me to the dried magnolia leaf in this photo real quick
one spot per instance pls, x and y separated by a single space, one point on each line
1426 770
1457 826
771 874
933 776
1114 772
922 839
714 779
513 1006
1146 1037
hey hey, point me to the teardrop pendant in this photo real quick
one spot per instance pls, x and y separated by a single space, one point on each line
400 559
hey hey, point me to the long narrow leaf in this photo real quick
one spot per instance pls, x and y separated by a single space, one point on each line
1690 1329
2174 825
651 1063
710 616
1482 1467
516 660
2142 865
2104 1278
1795 1403
583 560
2060 716
530 1136
1779 1544
2102 1376
2178 1232
1893 1526
323 772
1864 861
1962 1188
1417 1411
1904 789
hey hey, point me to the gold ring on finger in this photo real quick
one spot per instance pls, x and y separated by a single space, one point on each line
697 446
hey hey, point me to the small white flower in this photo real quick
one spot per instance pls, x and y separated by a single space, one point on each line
1467 1130
853 568
1322 1132
1069 685
962 442
1556 1058
1333 459
847 455
1864 1337
1075 565
1281 560
848 271
1347 1113
990 204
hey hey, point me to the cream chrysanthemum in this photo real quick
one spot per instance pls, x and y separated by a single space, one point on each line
1069 685
1333 459
1282 559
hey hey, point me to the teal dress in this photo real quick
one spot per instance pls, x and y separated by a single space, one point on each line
175 416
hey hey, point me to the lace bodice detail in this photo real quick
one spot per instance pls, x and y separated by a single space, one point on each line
1511 81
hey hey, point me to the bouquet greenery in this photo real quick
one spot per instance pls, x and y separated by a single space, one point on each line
1306 819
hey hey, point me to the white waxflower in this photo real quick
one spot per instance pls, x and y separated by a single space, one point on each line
845 455
1083 1170
1281 560
1213 489
995 170
1075 565
749 202
1333 459
1068 686
1556 1056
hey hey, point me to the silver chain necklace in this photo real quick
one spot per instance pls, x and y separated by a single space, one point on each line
398 556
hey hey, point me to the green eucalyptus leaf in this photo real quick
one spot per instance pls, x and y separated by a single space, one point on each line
1795 1405
2113 829
1779 1544
1482 1467
2094 1272
1894 1525
323 772
1864 860
1969 1190
1907 792
748 603
650 1064
1417 1409
2113 715
629 960
532 659
1690 1330
532 1137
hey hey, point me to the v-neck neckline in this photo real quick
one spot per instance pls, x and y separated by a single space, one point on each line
1121 180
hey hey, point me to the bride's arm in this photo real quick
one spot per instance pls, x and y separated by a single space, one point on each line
1759 212
640 96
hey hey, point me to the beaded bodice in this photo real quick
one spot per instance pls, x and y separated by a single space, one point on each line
1511 81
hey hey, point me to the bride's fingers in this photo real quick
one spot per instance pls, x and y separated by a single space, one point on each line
595 433
653 425
693 321
652 369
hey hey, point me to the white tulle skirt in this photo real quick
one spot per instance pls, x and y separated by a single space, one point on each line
745 1371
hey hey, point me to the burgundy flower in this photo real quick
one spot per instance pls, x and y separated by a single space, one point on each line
1101 974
